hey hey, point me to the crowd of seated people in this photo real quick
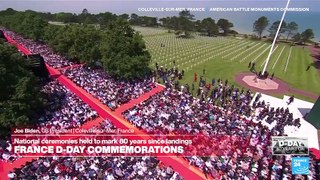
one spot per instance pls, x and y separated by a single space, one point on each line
178 112
217 92
274 115
108 90
5 151
63 110
108 168
52 59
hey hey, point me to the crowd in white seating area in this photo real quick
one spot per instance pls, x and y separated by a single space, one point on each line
63 111
176 111
108 90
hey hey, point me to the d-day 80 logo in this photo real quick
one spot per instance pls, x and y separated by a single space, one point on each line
284 145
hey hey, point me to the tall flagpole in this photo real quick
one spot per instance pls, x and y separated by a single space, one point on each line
275 38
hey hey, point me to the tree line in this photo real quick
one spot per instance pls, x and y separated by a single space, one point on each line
117 47
185 23
20 96
287 29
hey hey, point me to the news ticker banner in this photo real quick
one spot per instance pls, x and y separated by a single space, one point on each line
44 141
284 145
36 142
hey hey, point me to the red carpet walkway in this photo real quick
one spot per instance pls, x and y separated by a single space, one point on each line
178 164
144 97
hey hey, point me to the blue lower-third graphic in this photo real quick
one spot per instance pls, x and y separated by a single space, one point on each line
300 165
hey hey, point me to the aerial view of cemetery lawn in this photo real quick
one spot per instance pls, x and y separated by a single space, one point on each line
224 57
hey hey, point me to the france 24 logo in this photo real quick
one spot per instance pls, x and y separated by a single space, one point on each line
300 165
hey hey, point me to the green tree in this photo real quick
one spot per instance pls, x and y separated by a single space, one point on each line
79 43
209 26
260 25
307 35
85 11
296 37
174 23
274 27
134 19
86 18
124 53
50 33
124 16
225 25
20 97
104 19
197 26
36 26
29 24
148 21
185 23
291 29
66 17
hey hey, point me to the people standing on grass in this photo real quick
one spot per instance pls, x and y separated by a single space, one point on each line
187 88
213 82
308 68
195 77
255 79
290 100
201 80
252 66
272 76
169 74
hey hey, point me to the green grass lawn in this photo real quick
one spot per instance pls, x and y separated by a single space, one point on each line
224 57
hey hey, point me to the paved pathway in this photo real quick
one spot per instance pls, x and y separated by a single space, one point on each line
284 88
